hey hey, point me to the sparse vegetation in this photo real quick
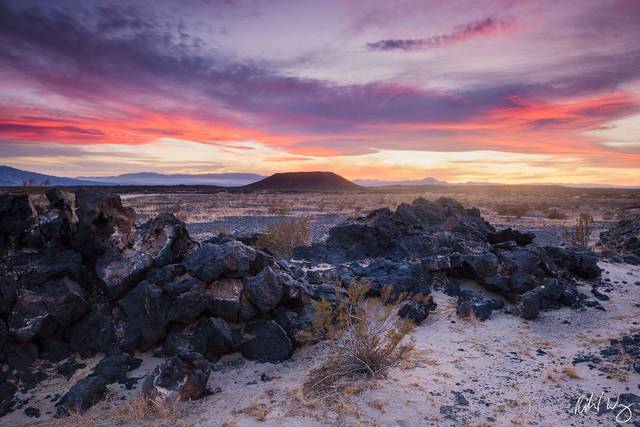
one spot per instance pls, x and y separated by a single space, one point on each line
137 411
366 339
259 411
282 237
579 236
555 213
518 210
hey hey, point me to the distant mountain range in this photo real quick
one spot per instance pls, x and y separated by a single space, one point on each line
381 183
12 177
152 178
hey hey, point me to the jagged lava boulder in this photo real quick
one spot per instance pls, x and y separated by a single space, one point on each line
411 231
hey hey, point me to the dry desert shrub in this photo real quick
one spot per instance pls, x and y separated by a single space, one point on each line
555 213
278 209
281 237
259 411
365 339
518 210
566 371
579 236
570 371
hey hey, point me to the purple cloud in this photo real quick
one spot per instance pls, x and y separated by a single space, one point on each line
482 28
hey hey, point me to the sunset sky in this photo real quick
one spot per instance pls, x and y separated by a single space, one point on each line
500 91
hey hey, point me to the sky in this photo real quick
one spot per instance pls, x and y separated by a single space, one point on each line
494 91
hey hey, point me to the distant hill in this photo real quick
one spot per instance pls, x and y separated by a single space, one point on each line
152 178
304 181
12 177
381 183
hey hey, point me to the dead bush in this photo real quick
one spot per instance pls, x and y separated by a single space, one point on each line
281 237
555 214
365 338
142 409
277 208
517 211
579 236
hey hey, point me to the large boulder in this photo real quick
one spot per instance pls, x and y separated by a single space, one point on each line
264 290
180 378
223 298
30 269
57 224
551 294
210 337
93 332
583 264
120 271
145 317
267 342
44 310
18 219
510 272
623 237
82 395
159 242
114 368
509 234
473 305
401 276
187 299
232 260
103 223
417 309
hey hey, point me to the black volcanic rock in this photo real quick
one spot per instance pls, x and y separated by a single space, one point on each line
582 263
180 378
103 223
521 239
420 229
44 310
268 342
624 238
304 181
82 395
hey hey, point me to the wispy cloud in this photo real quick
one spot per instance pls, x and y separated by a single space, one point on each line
482 28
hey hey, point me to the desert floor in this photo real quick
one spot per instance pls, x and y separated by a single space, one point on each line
505 371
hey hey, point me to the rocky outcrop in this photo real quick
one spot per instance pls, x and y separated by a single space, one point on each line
413 248
624 239
414 230
472 305
79 276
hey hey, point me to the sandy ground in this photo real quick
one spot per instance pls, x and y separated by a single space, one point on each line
505 371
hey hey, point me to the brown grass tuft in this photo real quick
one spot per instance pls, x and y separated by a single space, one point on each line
259 411
138 411
570 371
282 237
